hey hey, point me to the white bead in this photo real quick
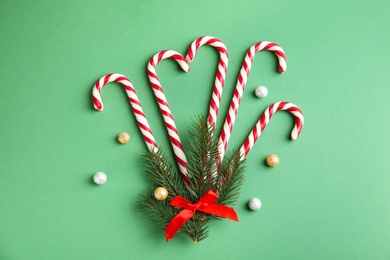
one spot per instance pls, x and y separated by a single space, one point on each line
254 204
100 178
261 92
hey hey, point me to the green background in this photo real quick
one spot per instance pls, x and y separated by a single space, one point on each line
328 199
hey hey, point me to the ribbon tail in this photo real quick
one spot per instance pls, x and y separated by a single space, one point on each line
221 211
177 222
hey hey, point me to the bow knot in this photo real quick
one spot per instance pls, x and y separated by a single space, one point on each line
205 204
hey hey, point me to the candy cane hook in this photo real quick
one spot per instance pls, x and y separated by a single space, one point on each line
220 74
163 104
264 120
134 101
240 86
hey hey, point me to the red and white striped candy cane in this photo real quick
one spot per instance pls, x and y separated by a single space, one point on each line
240 86
264 120
164 107
134 101
220 74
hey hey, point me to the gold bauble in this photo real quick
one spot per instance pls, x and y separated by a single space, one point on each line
272 160
123 138
160 193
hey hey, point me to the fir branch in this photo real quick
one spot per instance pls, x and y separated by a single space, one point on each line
197 227
230 180
162 174
158 212
202 157
204 174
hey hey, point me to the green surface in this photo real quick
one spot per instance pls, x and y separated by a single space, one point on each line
328 199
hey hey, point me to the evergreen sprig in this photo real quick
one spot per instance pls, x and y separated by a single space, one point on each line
230 179
202 157
162 173
204 173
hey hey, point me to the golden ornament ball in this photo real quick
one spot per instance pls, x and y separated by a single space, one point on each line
123 138
160 193
272 160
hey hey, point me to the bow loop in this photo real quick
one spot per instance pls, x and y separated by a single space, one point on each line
180 202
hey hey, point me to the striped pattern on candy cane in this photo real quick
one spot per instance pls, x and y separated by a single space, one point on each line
220 74
240 86
134 101
264 120
164 107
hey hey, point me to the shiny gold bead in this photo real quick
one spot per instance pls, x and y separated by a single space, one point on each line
160 193
123 138
272 160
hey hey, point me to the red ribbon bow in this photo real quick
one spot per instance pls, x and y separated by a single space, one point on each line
205 204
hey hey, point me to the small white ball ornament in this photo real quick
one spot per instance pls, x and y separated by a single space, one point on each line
100 178
254 204
261 92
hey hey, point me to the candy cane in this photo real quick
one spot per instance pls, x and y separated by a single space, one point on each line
135 104
164 107
240 86
264 120
220 74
